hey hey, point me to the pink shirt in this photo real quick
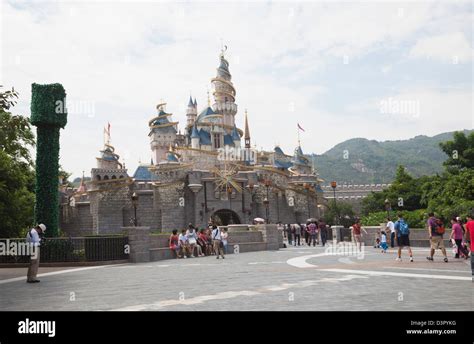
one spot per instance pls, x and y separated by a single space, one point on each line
457 231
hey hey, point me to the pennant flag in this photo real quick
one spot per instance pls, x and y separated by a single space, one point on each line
299 127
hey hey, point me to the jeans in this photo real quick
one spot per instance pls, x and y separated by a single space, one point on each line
392 239
297 237
324 237
313 238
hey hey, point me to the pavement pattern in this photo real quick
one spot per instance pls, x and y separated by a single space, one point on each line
294 278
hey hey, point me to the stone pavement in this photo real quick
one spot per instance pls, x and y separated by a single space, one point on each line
295 278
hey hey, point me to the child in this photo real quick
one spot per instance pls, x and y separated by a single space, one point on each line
377 240
383 241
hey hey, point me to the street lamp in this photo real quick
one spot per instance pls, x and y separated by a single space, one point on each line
135 204
266 202
388 207
334 185
307 187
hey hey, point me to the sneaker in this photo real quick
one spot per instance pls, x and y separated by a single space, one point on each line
217 257
430 258
411 259
445 260
185 257
192 256
398 259
223 257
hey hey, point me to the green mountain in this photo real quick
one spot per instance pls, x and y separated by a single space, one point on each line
362 161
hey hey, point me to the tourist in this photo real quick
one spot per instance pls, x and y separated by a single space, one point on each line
403 237
174 243
33 238
436 231
470 239
383 241
305 231
457 236
183 244
357 230
313 232
323 230
216 241
289 233
202 242
191 235
391 226
224 236
297 231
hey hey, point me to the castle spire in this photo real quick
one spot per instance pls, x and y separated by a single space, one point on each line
247 131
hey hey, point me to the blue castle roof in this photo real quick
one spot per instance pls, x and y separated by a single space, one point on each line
205 137
235 134
228 140
206 112
143 173
194 132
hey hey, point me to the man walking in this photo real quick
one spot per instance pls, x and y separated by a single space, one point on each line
357 234
323 229
297 233
403 237
217 242
33 238
313 232
391 226
435 231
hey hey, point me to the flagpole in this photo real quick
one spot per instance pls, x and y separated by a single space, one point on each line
298 130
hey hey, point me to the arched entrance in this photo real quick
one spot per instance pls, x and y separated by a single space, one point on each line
224 217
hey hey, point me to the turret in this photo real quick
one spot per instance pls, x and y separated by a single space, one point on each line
194 137
224 93
162 133
191 112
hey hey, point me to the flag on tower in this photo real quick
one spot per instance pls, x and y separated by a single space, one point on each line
299 127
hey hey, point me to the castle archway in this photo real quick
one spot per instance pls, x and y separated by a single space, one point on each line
224 217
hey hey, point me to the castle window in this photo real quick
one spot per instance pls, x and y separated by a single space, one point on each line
217 141
121 177
114 177
106 177
97 177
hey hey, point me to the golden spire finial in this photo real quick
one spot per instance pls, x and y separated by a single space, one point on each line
208 98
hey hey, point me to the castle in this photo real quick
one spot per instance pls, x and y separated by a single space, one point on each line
208 172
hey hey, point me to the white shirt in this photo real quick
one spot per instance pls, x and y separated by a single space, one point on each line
32 237
383 238
224 236
216 234
183 238
391 225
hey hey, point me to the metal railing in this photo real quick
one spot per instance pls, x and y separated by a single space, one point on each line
82 249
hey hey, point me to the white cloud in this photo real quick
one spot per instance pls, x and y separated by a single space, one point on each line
447 48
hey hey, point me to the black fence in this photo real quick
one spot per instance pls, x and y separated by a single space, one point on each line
53 250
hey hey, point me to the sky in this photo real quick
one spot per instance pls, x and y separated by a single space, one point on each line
383 70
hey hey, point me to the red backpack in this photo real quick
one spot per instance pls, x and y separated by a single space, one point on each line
440 227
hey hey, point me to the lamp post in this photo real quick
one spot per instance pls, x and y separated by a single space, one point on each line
307 187
334 185
135 204
266 202
388 207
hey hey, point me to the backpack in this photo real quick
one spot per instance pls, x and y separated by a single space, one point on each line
439 227
403 228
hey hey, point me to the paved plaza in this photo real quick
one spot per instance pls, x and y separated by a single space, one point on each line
294 278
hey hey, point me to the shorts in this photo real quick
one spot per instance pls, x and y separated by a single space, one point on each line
403 240
437 242
357 238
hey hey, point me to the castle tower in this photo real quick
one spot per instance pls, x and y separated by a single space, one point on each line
108 164
224 93
162 133
191 112
247 132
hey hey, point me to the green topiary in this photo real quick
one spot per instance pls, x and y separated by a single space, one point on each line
48 114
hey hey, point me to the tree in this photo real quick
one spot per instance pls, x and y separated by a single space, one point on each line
16 172
339 213
460 151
